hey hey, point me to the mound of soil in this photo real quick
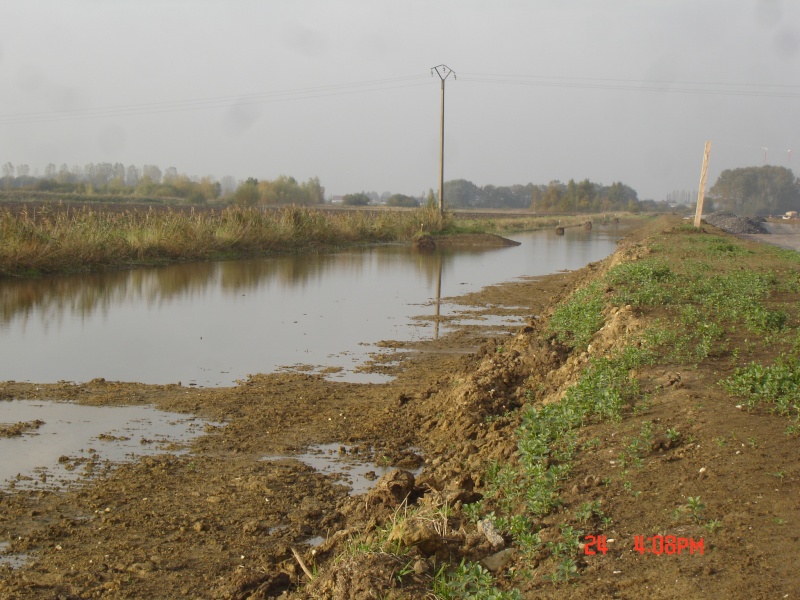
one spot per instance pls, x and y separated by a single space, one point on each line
731 223
473 240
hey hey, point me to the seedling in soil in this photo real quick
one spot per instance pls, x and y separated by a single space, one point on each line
588 510
695 506
712 526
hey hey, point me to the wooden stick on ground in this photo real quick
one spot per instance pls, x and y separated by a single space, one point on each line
301 563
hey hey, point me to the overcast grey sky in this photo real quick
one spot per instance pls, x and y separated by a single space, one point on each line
610 90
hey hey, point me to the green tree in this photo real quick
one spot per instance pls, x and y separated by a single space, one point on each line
757 190
551 197
402 200
283 190
430 199
247 194
461 193
314 191
360 199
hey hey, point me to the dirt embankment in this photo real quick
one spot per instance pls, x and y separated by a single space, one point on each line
683 460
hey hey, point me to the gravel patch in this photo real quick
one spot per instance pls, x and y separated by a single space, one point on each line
731 223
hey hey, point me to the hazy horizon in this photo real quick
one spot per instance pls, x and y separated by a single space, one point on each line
624 90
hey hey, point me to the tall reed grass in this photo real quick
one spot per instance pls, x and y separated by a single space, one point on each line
57 239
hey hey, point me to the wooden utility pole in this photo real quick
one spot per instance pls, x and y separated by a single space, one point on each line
701 193
443 71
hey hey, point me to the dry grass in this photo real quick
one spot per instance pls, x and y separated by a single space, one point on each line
52 240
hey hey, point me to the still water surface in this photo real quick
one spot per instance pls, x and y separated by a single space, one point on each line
212 323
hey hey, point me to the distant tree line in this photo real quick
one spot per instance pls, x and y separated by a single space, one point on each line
107 179
283 190
583 196
763 190
116 180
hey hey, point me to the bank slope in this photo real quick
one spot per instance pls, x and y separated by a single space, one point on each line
638 439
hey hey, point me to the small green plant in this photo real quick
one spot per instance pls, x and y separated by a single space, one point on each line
572 538
673 435
588 510
592 443
473 511
567 570
695 507
406 569
468 580
712 526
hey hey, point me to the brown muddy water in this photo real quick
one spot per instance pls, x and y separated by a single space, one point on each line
60 443
210 324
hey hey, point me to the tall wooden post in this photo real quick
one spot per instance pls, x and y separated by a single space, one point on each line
441 156
443 71
701 193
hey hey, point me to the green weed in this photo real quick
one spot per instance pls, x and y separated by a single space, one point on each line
468 580
643 282
777 386
575 321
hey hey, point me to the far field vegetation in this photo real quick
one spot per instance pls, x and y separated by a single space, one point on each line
761 190
58 237
111 182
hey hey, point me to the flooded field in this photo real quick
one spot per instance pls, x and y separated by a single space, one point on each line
213 323
55 444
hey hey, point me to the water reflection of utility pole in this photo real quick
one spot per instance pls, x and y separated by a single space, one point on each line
438 296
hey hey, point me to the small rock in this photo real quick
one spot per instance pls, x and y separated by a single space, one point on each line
488 529
421 566
497 561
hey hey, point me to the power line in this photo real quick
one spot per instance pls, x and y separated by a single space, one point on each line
759 90
644 85
214 102
637 81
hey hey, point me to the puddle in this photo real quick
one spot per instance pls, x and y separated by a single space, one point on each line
15 561
314 541
55 444
335 459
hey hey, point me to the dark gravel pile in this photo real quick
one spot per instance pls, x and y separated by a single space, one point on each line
731 223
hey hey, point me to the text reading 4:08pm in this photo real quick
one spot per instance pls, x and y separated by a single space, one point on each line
667 544
657 544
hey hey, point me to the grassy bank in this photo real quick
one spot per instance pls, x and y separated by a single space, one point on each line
54 239
704 303
38 239
657 400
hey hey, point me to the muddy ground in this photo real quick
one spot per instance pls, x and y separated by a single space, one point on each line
223 522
